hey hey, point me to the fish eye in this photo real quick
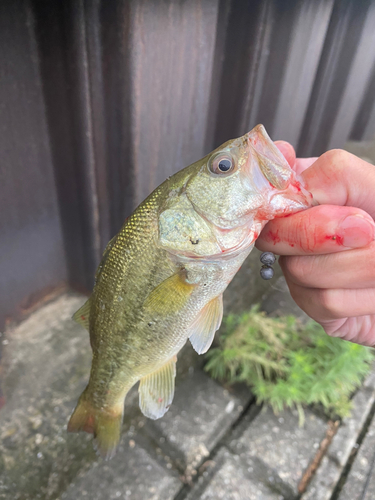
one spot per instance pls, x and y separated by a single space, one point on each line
223 163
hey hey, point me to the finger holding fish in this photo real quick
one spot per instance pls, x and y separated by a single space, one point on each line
318 230
353 269
328 251
297 164
345 313
358 329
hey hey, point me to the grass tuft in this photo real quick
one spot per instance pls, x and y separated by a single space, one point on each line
288 364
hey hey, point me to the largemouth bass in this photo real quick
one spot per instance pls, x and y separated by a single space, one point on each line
162 277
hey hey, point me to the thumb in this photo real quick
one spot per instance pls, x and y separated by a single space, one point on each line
321 229
343 187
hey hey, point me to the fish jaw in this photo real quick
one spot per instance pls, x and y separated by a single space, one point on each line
268 172
269 158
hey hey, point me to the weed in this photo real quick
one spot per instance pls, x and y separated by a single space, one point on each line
288 364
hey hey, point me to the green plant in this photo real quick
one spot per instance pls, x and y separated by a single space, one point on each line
288 364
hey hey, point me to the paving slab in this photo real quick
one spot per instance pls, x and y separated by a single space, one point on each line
332 465
359 482
132 474
369 490
201 413
230 478
281 444
46 362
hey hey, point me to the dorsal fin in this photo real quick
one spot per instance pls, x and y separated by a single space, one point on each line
82 316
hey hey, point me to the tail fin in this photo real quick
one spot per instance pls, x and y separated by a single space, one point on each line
104 424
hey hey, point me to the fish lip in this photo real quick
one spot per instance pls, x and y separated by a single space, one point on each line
272 164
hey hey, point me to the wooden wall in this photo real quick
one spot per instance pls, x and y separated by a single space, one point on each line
102 100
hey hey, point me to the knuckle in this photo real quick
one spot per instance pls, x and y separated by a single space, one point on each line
363 261
329 302
296 296
338 157
299 268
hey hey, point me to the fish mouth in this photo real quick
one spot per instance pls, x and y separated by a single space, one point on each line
271 162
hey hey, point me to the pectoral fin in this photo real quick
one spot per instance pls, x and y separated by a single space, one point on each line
157 389
205 325
82 316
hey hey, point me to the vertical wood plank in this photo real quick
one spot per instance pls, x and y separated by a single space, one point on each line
358 81
343 36
116 23
247 33
272 51
32 260
308 26
172 54
60 30
364 124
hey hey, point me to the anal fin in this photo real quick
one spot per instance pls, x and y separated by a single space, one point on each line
157 389
203 329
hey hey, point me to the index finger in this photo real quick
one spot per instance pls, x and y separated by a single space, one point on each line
297 164
340 178
302 164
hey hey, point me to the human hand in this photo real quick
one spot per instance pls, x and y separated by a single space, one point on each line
328 251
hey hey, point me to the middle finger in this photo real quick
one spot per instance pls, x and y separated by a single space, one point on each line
351 269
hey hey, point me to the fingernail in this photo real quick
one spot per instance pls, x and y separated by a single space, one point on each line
356 231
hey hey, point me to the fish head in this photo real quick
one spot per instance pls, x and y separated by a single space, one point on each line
235 190
246 179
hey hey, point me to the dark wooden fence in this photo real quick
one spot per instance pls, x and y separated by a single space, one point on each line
102 100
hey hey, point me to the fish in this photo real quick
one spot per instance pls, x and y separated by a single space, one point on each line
162 277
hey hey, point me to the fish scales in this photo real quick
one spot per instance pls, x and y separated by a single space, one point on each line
162 276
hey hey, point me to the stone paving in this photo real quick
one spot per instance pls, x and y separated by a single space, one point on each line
214 443
344 444
360 483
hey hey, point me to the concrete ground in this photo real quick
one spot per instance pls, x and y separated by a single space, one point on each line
214 442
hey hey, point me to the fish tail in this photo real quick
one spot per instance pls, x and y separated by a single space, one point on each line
104 424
